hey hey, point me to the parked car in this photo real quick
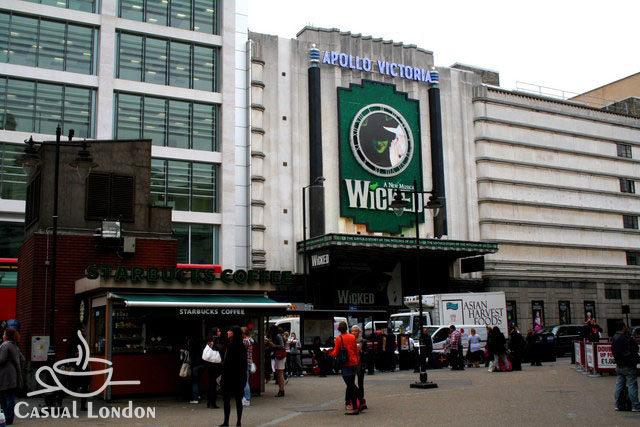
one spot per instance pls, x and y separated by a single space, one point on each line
565 336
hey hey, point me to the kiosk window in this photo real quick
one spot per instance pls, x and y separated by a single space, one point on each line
98 319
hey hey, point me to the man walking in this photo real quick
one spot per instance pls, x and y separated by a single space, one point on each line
625 353
455 345
361 342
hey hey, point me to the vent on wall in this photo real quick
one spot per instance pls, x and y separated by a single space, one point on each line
110 196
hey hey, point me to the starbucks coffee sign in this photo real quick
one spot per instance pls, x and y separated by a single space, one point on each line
379 131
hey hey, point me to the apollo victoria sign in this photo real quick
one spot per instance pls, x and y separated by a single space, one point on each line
407 72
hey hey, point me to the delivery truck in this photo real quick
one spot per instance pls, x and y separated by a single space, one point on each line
471 308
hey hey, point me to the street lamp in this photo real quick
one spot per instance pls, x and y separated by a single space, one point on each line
316 183
399 205
30 161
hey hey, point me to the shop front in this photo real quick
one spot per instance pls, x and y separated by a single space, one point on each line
142 325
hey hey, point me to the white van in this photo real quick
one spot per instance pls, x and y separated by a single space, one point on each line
292 324
439 334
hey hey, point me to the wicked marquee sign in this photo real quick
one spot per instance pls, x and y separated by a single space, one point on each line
379 134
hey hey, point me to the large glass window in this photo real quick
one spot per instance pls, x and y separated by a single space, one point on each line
129 116
56 45
187 186
196 15
170 123
167 62
83 5
12 236
13 180
130 57
20 99
197 243
49 107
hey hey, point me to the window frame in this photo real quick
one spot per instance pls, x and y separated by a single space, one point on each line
630 222
624 150
627 185
215 235
192 20
633 258
216 184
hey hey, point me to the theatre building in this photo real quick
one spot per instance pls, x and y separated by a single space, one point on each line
117 275
542 188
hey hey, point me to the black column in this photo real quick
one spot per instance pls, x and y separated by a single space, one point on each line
316 192
437 160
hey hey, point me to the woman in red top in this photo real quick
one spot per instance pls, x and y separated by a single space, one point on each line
350 368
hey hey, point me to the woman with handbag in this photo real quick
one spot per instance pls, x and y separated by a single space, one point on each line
212 357
251 367
346 354
10 372
234 374
276 343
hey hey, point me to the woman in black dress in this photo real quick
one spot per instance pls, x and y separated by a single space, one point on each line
234 374
214 369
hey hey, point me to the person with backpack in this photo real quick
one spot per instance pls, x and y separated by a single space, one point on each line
346 355
625 353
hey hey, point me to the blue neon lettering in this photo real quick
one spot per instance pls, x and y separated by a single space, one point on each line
416 73
343 60
325 58
334 57
366 64
393 66
381 67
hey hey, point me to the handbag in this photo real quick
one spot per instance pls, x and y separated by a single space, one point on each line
253 368
185 368
343 357
211 355
280 354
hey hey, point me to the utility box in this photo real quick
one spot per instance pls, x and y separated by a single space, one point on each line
129 245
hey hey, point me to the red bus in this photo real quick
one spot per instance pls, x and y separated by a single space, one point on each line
8 286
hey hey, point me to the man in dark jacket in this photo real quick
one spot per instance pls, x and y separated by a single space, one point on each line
625 353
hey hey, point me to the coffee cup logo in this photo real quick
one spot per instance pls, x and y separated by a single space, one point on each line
81 363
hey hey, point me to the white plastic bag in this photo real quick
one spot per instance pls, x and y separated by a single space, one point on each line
211 355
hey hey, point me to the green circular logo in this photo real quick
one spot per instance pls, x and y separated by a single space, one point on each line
381 140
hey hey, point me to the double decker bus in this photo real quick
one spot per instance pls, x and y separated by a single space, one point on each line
8 286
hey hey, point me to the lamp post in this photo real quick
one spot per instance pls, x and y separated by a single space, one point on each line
316 183
83 163
399 205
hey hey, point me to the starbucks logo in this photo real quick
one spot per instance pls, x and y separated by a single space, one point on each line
381 140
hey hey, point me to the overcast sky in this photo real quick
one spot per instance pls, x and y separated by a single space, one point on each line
562 44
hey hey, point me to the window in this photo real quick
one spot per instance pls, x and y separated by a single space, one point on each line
624 150
169 123
44 43
110 196
197 243
627 185
633 258
32 207
630 221
634 293
12 236
39 107
187 186
195 15
612 293
13 180
166 62
83 5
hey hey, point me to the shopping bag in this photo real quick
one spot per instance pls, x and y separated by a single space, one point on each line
211 355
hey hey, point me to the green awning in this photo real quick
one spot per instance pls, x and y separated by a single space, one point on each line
200 301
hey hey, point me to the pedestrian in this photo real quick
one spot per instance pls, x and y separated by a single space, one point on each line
454 343
625 353
594 332
349 369
474 351
516 346
533 348
499 350
276 342
80 382
214 370
319 356
488 356
361 342
294 351
10 372
234 374
389 349
248 344
287 349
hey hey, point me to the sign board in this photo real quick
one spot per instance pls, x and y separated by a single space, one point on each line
588 350
320 259
578 352
604 357
39 348
380 152
452 311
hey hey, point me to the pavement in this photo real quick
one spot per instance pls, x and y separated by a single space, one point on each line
554 394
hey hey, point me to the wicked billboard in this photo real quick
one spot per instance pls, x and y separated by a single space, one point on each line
379 134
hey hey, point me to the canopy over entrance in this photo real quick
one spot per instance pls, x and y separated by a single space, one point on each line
200 301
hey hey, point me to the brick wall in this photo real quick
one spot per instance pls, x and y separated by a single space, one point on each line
75 253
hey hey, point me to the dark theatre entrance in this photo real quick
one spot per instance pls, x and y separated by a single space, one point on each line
349 272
